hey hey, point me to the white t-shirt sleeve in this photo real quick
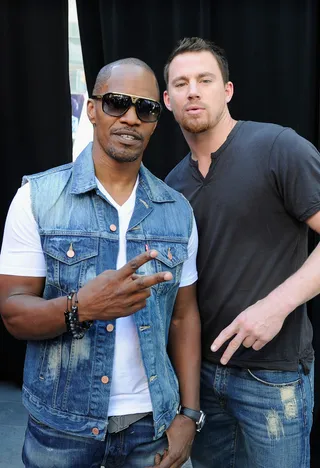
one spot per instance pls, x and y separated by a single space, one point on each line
189 273
21 252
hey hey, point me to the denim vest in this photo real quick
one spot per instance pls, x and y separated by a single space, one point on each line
65 384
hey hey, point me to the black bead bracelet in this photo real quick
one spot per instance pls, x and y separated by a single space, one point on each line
76 328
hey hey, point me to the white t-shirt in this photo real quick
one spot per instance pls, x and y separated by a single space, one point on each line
22 255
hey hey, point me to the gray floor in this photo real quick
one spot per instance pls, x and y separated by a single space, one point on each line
13 420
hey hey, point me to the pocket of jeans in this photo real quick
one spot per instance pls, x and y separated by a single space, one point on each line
275 378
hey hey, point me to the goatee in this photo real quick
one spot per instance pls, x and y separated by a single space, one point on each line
194 126
123 156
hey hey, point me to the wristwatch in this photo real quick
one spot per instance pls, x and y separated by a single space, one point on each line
198 417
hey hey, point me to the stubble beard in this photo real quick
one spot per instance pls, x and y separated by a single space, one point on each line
123 156
194 125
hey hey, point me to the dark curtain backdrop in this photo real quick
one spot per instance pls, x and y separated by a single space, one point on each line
273 51
36 111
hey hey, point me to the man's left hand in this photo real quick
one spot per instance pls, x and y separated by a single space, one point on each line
180 438
254 327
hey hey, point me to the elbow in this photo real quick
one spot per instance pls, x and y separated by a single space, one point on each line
12 327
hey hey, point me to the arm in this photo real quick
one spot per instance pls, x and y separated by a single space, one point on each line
184 348
25 314
261 322
110 295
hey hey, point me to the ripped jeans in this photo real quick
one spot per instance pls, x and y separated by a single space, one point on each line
255 418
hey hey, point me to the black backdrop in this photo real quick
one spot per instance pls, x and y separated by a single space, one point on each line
273 50
35 101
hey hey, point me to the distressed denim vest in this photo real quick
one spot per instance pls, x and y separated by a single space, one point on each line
65 379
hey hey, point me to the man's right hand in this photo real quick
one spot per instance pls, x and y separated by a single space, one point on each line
119 293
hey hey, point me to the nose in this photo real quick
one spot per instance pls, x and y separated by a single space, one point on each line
193 91
130 117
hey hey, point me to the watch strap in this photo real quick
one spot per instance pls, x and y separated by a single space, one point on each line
190 413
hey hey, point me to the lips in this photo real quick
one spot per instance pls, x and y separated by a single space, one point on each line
194 108
127 135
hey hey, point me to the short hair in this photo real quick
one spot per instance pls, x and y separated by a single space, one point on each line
105 72
196 44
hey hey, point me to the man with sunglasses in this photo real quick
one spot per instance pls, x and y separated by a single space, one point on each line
98 274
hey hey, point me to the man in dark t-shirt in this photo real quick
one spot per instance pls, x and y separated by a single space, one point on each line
255 190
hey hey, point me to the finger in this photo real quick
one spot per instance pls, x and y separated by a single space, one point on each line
134 308
248 342
225 335
170 461
259 344
137 297
232 347
135 276
143 282
136 263
157 459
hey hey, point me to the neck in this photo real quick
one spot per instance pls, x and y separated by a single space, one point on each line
116 177
203 144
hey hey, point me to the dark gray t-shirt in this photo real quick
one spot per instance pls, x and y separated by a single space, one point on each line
251 208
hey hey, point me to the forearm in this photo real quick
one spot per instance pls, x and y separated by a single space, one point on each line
300 287
185 352
29 317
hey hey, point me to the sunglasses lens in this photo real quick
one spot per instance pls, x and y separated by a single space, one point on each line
148 111
115 104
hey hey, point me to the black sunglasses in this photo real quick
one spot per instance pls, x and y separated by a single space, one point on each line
117 104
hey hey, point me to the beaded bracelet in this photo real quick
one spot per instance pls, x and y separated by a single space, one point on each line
76 328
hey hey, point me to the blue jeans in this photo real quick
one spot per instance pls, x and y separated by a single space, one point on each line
133 447
255 418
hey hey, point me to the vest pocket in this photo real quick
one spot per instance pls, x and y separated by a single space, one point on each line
171 256
70 259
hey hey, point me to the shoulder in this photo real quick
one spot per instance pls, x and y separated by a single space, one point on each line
274 138
261 131
289 139
53 173
178 172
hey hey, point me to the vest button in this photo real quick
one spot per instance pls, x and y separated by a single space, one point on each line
113 227
110 327
105 379
95 431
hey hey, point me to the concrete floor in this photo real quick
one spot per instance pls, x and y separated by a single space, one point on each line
13 421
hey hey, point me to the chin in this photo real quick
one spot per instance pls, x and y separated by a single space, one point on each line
122 155
124 158
194 125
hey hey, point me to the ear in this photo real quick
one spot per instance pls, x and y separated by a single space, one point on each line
166 100
91 111
229 89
